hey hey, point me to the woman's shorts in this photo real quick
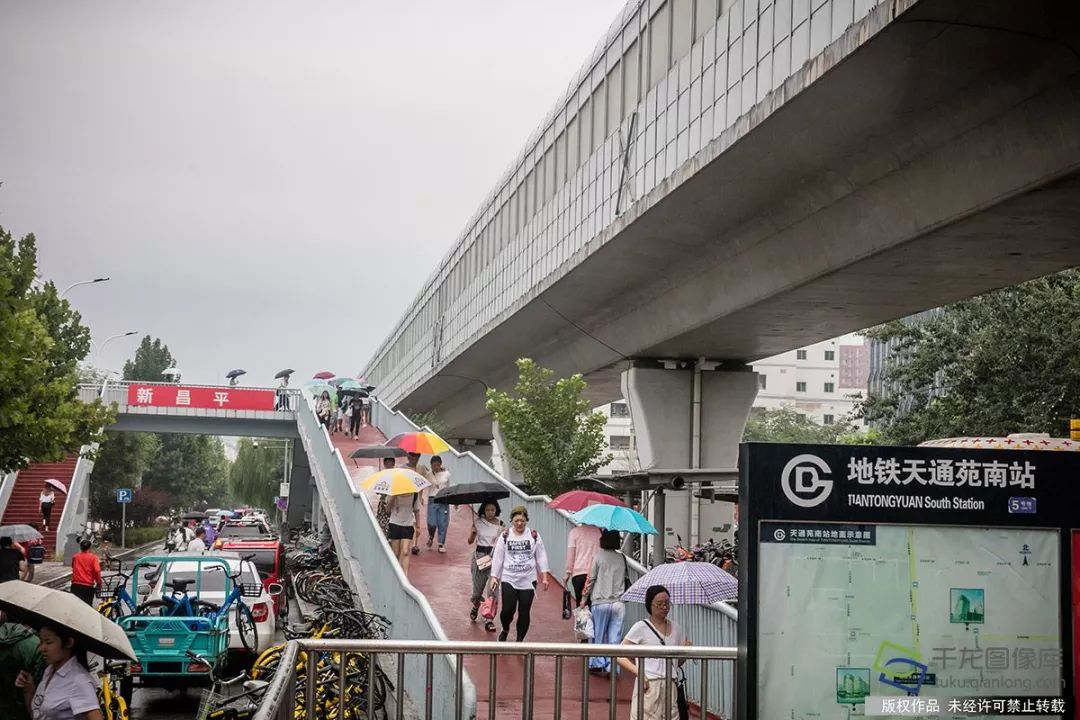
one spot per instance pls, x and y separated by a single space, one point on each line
401 532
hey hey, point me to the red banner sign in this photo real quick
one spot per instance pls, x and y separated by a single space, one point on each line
214 398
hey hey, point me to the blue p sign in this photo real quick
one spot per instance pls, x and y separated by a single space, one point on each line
123 495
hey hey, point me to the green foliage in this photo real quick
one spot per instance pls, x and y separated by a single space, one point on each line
123 460
257 471
191 469
1004 362
788 425
136 536
551 435
151 358
429 419
42 340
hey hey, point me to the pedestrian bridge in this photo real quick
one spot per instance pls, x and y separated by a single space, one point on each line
199 409
433 603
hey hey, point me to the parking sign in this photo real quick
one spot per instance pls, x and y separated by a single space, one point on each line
124 495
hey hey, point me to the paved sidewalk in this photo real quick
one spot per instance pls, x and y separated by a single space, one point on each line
56 574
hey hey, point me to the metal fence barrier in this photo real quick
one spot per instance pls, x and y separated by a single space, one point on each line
280 700
715 625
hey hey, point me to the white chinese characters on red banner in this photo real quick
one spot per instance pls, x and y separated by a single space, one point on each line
223 398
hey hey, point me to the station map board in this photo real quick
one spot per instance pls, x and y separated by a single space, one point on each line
902 572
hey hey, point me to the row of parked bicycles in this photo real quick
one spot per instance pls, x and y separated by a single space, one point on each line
330 611
724 554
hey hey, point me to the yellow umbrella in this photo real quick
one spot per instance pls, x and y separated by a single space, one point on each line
396 481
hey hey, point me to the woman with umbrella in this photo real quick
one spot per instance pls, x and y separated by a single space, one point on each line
47 500
485 533
603 592
656 629
67 689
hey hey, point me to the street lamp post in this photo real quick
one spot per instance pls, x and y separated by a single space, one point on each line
99 348
82 282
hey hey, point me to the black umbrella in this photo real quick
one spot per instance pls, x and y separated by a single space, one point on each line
377 451
193 516
235 373
355 391
470 493
284 373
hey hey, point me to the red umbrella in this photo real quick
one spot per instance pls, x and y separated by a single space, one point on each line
324 375
575 500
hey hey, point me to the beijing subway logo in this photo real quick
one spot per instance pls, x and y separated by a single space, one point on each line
803 483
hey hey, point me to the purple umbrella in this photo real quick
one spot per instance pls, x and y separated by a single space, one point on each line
688 583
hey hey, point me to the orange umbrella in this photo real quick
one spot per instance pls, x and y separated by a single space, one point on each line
423 443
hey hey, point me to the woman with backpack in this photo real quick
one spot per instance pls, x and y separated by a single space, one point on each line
603 590
519 561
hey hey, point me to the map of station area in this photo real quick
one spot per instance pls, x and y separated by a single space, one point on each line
847 611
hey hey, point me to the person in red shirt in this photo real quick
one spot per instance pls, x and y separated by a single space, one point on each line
85 573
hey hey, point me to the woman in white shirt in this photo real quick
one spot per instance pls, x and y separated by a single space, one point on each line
485 533
404 519
66 690
518 562
47 499
656 629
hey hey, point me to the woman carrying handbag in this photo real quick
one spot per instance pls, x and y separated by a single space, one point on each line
656 629
485 533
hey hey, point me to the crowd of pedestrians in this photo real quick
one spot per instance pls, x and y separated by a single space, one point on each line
344 413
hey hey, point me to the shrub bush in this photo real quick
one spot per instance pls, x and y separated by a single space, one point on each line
134 537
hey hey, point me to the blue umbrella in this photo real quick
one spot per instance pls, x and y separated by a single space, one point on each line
614 517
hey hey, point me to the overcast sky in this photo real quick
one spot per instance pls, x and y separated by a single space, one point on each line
267 183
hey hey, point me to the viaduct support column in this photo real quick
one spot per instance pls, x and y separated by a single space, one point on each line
301 487
687 415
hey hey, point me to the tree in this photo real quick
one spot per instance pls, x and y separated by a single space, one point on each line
42 340
1004 362
256 473
788 425
124 459
151 358
552 437
191 469
429 419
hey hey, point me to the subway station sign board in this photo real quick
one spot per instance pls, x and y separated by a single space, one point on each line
872 575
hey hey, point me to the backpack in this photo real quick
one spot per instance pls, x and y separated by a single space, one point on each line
36 553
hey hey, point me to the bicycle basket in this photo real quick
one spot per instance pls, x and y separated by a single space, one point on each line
109 585
250 590
209 703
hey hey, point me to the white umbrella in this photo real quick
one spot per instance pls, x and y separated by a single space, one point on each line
36 605
19 533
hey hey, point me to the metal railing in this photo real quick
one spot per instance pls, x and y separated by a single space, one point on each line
714 625
279 701
76 504
357 534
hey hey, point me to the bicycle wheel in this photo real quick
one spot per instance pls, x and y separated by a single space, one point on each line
245 623
158 608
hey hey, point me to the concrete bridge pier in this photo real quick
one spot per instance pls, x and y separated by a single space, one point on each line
688 415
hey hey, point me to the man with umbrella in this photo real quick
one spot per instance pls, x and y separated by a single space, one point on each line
12 563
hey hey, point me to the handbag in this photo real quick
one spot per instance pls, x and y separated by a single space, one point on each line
483 562
583 623
487 608
680 682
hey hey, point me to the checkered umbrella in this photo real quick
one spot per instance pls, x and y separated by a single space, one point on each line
688 583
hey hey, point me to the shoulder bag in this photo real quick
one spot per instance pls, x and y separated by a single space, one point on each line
680 682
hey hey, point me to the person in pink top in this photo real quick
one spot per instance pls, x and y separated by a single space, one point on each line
581 546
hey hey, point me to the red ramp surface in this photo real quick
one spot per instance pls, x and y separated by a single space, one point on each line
446 581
